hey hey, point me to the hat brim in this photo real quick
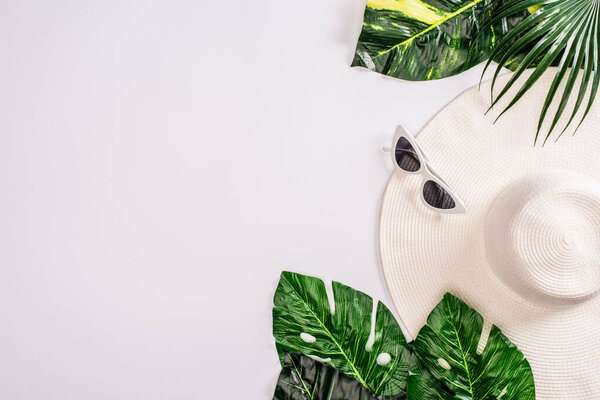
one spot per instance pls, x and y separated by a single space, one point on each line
425 254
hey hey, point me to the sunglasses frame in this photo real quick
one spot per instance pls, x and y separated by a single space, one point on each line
427 171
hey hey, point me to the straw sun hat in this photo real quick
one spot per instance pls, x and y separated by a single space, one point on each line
526 254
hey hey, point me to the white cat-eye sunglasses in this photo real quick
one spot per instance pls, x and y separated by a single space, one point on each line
408 157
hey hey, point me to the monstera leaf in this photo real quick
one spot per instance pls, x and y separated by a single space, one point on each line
449 367
304 322
442 363
430 39
303 378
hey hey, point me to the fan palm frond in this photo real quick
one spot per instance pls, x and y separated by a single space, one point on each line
564 33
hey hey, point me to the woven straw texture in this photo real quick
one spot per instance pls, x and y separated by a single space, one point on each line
526 254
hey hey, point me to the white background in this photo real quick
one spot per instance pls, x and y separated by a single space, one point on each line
160 164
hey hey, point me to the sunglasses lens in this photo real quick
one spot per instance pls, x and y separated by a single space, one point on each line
437 197
406 157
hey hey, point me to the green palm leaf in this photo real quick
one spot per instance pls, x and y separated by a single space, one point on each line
430 39
303 378
449 366
303 323
565 33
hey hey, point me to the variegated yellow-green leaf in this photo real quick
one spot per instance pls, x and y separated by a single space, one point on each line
429 39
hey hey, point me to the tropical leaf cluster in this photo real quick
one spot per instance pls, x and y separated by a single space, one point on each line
348 349
432 39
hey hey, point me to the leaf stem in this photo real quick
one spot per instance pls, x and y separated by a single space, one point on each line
432 26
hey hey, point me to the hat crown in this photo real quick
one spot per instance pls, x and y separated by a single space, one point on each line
542 237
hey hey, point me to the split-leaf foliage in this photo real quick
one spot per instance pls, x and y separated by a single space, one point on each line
442 363
431 39
301 307
447 349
